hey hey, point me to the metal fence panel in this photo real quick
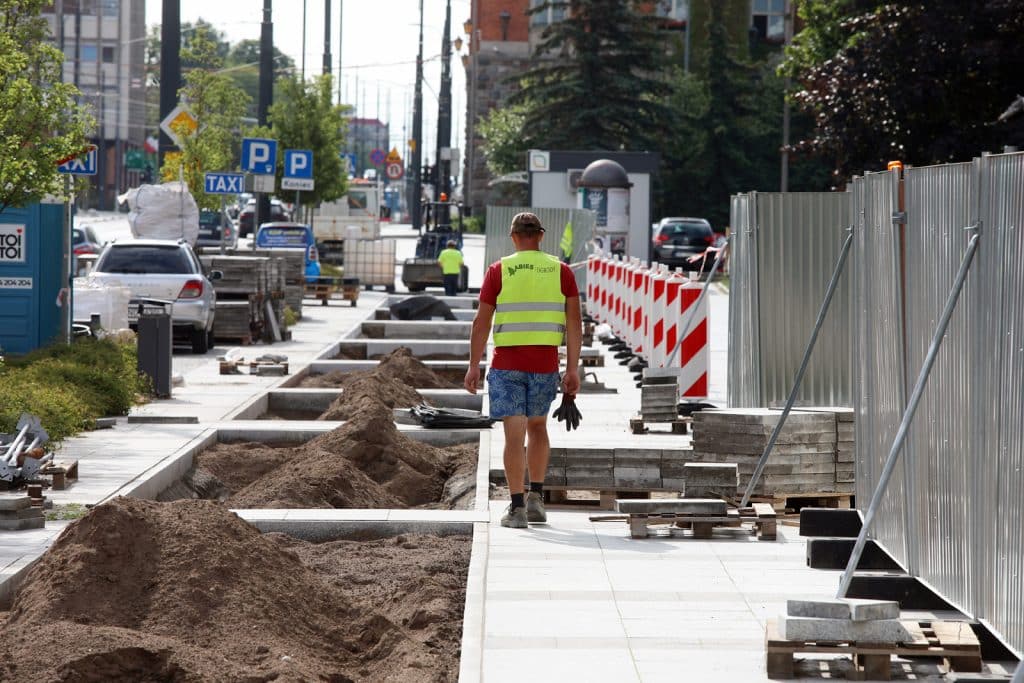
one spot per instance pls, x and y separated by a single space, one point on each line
999 552
785 247
800 236
498 244
880 393
940 455
744 377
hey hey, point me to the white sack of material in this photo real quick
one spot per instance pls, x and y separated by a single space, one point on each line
164 212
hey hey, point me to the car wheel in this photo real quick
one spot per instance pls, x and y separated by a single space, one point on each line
200 341
209 339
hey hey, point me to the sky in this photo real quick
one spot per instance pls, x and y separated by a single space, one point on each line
379 43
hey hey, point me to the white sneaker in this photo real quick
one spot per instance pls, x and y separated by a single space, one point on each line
535 512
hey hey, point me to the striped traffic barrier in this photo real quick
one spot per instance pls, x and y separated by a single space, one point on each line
657 308
693 356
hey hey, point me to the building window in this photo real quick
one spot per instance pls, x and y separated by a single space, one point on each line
769 18
549 14
87 52
110 8
676 10
108 54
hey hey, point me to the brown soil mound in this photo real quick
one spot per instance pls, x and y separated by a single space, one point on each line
187 591
392 392
400 365
365 463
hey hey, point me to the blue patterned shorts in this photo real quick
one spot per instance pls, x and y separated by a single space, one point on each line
514 392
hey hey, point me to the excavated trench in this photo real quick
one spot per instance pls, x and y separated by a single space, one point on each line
187 591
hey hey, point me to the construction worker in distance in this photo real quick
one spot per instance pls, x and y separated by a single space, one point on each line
533 301
450 259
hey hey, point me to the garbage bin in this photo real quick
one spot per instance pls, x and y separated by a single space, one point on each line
155 342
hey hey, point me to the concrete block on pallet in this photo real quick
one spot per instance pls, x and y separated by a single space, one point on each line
589 477
761 416
37 522
844 608
710 474
727 436
637 457
808 628
690 506
672 483
637 477
11 503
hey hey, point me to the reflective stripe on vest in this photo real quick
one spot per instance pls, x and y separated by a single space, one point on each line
530 310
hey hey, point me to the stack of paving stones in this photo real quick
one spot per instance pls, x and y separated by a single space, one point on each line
870 621
609 469
710 480
659 398
294 275
233 320
803 460
21 512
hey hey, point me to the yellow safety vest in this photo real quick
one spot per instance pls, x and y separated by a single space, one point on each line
451 261
530 309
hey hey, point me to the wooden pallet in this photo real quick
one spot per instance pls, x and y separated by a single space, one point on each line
63 472
826 499
953 641
679 425
326 292
592 361
759 519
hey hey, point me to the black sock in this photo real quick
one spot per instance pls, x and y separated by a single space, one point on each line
536 487
517 500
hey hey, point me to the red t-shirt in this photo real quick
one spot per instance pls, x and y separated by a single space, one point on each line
524 358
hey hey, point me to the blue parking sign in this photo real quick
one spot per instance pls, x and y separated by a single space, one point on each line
298 163
259 156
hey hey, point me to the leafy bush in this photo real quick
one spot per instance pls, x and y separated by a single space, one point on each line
473 224
69 386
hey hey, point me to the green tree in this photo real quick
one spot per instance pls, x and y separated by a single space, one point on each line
243 66
920 82
596 83
505 141
303 117
40 121
218 106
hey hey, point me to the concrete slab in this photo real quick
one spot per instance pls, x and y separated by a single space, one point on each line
808 628
690 506
849 609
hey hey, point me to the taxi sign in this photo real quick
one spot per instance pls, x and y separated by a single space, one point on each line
223 183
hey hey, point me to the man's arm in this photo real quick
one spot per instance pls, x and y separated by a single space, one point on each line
477 345
573 343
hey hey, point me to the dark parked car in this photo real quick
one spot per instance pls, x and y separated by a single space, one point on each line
210 227
278 214
675 240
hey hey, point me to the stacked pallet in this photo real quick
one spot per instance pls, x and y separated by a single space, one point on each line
234 320
241 288
293 275
803 460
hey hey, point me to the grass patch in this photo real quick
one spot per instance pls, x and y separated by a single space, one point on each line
68 386
65 512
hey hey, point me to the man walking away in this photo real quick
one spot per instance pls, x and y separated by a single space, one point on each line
533 301
451 265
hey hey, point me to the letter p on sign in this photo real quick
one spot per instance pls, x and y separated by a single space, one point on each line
298 163
259 156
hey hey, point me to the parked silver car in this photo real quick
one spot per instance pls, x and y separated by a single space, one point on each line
167 270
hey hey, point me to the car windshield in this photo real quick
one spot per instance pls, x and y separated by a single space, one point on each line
209 218
145 259
687 230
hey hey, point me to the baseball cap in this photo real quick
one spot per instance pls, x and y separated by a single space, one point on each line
526 223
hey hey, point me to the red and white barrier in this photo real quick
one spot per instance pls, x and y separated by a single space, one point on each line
658 313
692 358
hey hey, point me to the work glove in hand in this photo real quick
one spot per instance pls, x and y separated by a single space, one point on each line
568 412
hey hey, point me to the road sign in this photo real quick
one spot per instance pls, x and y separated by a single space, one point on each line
179 119
377 156
264 183
83 164
259 156
298 163
394 157
394 171
223 183
349 159
305 184
135 159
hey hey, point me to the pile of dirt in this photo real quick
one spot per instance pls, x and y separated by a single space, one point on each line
365 463
187 591
392 392
399 365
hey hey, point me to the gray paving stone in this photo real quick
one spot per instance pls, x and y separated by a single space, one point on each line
878 631
695 506
849 608
637 477
637 457
710 474
21 524
14 502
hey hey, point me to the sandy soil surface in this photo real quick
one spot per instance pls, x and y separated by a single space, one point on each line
187 592
398 365
365 463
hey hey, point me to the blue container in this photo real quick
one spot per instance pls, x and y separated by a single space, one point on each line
31 253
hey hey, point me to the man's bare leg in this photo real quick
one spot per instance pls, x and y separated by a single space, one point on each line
538 447
515 463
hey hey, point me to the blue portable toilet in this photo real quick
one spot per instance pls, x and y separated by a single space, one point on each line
31 255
